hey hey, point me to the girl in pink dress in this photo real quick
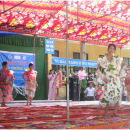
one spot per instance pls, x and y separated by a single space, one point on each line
51 93
5 85
31 84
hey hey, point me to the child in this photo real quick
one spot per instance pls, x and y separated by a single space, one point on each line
124 93
99 92
58 82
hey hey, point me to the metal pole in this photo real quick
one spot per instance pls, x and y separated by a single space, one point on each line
77 11
3 6
11 8
67 65
33 49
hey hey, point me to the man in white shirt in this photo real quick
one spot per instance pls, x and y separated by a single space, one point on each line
90 92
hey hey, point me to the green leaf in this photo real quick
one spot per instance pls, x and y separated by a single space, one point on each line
104 101
111 76
110 66
116 56
118 90
84 84
107 102
109 93
113 69
114 83
108 69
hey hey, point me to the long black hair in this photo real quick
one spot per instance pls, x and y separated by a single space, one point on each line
112 45
50 71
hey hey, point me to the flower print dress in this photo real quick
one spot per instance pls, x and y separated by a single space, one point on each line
58 80
113 72
5 87
30 86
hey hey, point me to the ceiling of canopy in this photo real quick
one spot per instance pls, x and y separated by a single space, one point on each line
95 21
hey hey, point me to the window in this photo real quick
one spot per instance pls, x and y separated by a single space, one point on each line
101 56
86 56
56 54
76 55
87 68
92 70
56 67
127 60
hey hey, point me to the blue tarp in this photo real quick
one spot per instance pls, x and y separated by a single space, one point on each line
4 34
17 62
74 62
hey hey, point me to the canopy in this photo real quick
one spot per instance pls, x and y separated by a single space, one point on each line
95 21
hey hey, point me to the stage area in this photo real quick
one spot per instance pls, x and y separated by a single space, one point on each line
53 115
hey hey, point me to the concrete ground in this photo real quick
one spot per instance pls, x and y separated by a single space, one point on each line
38 103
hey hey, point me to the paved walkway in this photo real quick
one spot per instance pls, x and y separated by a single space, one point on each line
56 102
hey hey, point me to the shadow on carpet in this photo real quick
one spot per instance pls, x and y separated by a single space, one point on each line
54 117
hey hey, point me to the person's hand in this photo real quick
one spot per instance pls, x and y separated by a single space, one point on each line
36 85
86 96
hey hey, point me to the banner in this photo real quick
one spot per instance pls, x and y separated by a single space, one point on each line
74 62
49 46
17 62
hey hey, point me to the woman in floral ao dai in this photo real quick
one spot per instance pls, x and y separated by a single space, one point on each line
113 69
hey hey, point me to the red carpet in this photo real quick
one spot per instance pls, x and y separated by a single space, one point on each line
46 117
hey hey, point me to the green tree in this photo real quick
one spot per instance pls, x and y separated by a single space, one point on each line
83 87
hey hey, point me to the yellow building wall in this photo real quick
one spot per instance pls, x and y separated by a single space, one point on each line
93 51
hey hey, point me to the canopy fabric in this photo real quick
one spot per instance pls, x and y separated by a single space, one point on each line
95 21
